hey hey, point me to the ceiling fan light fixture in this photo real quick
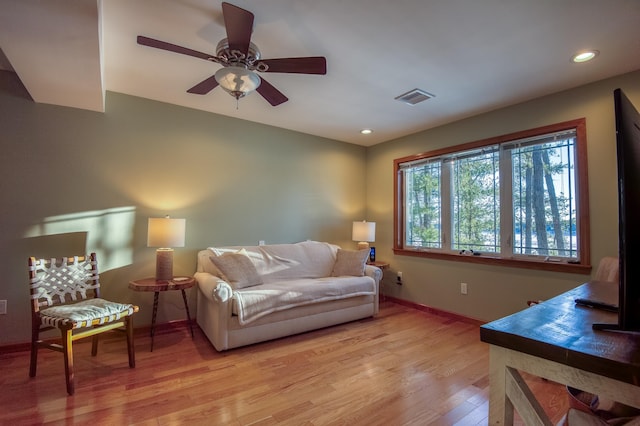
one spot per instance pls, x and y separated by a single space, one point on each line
237 81
239 58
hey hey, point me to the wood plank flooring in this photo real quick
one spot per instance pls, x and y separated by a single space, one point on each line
404 367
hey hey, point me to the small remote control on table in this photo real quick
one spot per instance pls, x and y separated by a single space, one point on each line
597 305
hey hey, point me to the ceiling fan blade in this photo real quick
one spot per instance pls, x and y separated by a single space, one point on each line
309 65
239 25
270 93
205 86
158 44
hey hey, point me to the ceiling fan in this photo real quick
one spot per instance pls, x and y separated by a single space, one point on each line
240 59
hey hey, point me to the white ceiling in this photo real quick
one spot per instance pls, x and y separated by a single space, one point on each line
474 55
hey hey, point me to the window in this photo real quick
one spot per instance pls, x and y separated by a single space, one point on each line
518 199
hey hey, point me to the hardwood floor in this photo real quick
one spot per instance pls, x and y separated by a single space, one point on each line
404 367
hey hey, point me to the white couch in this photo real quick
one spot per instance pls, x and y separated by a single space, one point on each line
257 293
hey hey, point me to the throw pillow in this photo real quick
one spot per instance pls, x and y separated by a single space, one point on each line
213 269
350 262
238 270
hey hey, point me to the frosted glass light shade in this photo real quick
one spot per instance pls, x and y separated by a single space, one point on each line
166 232
237 81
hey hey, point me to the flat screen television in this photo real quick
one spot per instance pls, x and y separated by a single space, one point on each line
628 153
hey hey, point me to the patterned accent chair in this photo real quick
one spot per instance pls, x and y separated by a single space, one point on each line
65 294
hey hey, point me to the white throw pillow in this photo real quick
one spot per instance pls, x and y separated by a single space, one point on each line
238 270
350 262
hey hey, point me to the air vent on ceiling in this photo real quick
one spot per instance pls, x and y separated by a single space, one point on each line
414 96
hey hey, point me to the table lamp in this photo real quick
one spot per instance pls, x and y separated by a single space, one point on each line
364 232
165 233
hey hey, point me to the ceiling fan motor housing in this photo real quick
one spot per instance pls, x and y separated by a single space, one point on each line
236 58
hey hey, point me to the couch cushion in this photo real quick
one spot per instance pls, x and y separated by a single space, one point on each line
238 270
350 262
276 262
255 302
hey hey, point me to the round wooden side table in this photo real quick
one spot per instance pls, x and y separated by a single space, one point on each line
151 284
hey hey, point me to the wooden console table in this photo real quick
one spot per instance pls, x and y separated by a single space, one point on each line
554 340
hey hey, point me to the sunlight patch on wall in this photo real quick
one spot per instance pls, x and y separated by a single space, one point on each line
109 233
164 189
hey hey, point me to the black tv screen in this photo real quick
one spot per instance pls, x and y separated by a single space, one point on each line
628 153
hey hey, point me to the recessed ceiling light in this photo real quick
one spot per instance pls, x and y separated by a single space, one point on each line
366 131
584 56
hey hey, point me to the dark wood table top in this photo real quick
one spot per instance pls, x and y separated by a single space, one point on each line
559 330
151 284
379 264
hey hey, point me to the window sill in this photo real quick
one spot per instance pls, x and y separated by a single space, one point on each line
572 268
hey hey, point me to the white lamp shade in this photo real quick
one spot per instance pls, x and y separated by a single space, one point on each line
364 231
166 232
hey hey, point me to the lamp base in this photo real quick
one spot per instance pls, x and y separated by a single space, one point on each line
362 245
164 264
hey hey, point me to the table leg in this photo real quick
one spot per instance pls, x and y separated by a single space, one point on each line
153 316
500 408
186 307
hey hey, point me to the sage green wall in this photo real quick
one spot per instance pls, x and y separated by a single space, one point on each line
494 292
74 180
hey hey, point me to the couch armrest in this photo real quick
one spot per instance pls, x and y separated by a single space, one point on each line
214 308
373 272
214 288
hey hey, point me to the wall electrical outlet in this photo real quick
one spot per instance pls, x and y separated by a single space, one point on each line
463 288
399 278
3 307
261 242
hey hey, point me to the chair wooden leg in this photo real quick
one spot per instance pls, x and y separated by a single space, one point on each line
67 348
35 336
130 348
94 345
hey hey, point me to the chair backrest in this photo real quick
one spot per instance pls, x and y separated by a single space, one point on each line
60 281
608 270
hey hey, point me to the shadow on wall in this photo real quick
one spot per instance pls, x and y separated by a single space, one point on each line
109 233
48 246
